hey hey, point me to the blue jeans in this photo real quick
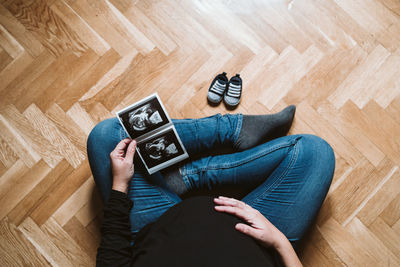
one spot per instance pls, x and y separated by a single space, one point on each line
291 175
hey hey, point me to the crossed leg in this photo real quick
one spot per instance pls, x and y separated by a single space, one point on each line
149 193
293 173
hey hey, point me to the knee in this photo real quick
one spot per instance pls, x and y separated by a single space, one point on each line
319 146
102 131
318 153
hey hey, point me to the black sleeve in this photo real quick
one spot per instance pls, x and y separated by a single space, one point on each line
115 248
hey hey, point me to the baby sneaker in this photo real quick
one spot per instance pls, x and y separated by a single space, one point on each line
234 92
217 88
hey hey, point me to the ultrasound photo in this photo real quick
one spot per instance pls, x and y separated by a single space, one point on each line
158 143
143 117
161 149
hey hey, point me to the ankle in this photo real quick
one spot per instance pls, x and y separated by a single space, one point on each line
258 129
174 180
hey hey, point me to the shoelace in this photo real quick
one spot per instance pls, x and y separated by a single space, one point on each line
234 90
218 88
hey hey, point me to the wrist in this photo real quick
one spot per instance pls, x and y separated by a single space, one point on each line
120 186
287 253
280 241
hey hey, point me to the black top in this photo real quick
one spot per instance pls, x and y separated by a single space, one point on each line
191 233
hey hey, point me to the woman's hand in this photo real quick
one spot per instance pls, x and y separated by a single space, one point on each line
122 164
257 225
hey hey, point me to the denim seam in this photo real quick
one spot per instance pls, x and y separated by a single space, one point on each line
279 180
183 168
185 122
165 195
122 133
238 129
162 194
238 163
185 178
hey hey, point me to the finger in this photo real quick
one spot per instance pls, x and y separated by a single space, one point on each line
122 144
222 197
230 202
248 230
230 199
227 202
130 152
239 212
120 147
243 204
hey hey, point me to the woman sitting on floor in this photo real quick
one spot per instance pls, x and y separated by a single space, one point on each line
150 220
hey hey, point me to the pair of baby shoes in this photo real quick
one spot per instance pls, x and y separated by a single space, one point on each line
221 88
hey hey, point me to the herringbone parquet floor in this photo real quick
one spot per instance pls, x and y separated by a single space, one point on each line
67 64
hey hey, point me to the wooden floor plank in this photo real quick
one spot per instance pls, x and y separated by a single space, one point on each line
67 126
384 78
5 59
7 154
342 122
350 195
9 44
64 189
66 244
393 109
82 237
146 26
342 243
99 113
360 77
17 66
51 133
44 80
45 98
279 88
24 184
19 146
373 130
76 89
90 210
327 131
346 21
391 214
100 18
33 137
42 190
377 204
9 178
318 245
66 65
75 202
80 116
20 33
43 243
113 74
85 32
15 248
47 27
387 235
372 244
23 82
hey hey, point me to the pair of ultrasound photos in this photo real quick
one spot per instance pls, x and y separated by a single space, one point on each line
158 143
